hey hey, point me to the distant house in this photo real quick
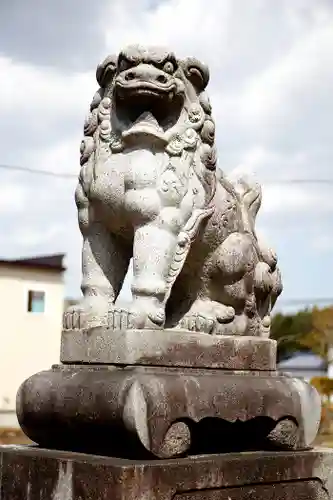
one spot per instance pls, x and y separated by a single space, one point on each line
31 307
304 365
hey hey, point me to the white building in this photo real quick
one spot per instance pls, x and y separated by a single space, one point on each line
31 307
304 365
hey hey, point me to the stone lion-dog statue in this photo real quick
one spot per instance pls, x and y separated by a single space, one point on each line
150 190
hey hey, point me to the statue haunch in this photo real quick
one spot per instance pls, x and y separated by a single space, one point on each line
149 190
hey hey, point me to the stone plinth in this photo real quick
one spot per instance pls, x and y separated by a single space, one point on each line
179 348
32 473
135 410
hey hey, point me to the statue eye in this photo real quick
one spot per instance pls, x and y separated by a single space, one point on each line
168 67
123 65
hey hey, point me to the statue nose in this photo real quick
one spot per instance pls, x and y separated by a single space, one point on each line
146 73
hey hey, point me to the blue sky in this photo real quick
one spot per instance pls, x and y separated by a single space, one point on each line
271 91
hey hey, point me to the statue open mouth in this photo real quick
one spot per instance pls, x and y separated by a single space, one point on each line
155 96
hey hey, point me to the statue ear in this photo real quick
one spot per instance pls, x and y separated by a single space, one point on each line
196 72
106 70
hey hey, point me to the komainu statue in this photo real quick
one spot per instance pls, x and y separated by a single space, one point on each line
188 368
149 189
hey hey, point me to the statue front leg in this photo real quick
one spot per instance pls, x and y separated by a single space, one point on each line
153 254
105 260
104 266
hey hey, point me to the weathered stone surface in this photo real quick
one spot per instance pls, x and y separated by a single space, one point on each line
301 490
188 367
167 348
149 189
133 411
32 473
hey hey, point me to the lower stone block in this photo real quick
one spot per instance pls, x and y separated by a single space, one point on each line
34 473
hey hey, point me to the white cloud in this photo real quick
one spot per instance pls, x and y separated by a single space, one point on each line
180 24
43 92
32 237
62 156
255 160
323 243
293 198
301 74
13 198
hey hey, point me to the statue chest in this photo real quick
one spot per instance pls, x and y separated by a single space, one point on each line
138 184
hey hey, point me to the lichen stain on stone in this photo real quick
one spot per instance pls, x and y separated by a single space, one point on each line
64 486
28 490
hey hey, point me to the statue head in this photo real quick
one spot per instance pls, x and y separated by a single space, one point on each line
146 93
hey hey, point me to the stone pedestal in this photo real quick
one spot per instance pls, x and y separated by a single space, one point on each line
184 413
32 473
166 394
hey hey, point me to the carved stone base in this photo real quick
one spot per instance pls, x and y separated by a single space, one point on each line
33 473
179 348
164 412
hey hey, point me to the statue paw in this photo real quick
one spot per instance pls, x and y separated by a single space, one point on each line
72 317
206 316
92 312
147 312
135 318
198 323
121 319
89 313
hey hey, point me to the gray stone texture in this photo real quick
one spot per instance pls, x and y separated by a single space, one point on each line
132 411
30 473
167 348
149 189
187 371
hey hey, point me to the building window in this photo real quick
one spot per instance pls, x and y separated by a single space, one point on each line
36 301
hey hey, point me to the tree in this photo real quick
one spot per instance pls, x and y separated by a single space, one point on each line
287 330
324 386
320 338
